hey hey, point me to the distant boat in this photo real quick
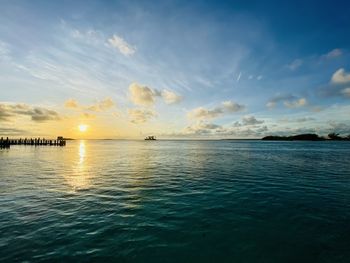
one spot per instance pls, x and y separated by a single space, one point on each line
150 138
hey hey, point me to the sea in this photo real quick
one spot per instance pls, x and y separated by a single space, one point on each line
176 201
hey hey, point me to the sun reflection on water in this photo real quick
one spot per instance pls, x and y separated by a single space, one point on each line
80 179
82 152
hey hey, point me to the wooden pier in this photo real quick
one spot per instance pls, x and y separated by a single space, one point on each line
6 143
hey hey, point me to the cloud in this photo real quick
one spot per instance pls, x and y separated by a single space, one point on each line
141 115
226 107
37 114
251 120
290 101
338 86
5 112
248 121
102 105
71 104
239 76
333 54
171 97
105 104
87 115
201 127
346 92
90 36
303 119
11 131
232 106
295 64
4 51
124 47
145 96
339 127
295 103
142 95
340 77
202 113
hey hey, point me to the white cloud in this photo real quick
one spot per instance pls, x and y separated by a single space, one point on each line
145 96
86 115
251 120
105 104
38 114
4 51
138 116
340 77
202 113
346 92
271 104
201 128
89 37
171 97
296 103
142 95
71 104
239 76
226 107
248 121
290 101
333 53
102 105
232 106
124 47
295 64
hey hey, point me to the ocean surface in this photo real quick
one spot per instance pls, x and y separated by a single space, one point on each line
176 201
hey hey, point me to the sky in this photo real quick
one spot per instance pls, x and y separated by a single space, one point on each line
174 69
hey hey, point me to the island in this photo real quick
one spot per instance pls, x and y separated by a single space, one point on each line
307 137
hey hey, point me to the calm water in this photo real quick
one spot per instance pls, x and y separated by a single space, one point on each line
175 201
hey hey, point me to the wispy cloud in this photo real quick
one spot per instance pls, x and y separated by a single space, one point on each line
248 121
346 92
4 51
333 54
124 47
239 76
295 64
226 107
297 103
71 104
290 101
101 105
38 114
171 97
139 116
201 128
11 131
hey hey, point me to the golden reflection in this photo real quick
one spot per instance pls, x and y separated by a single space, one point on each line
80 179
82 152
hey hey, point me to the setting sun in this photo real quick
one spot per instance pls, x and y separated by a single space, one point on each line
82 127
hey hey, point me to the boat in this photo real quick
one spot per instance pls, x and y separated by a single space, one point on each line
150 138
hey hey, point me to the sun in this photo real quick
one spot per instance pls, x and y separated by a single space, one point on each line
82 127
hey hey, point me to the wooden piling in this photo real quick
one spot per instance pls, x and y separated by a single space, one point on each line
6 143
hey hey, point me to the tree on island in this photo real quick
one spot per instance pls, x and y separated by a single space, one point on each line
307 137
334 136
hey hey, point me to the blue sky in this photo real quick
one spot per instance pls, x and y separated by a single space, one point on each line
175 69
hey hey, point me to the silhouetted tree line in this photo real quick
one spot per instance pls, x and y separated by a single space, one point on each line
307 137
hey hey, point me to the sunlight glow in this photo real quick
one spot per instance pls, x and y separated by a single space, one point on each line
82 127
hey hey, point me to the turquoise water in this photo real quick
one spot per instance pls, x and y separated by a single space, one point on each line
176 201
